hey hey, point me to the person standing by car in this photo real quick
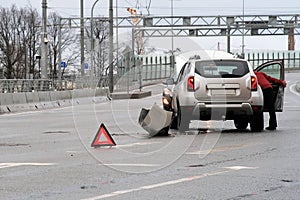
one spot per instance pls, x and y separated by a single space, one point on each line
269 99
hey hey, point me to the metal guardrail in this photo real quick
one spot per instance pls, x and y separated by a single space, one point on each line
291 58
25 85
36 85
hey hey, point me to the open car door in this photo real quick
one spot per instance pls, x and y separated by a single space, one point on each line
275 69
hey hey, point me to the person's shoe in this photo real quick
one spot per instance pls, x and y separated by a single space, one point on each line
270 128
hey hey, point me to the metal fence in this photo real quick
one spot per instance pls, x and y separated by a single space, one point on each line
133 72
25 85
30 85
291 58
149 67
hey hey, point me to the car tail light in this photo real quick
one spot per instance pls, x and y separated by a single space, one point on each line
190 83
253 83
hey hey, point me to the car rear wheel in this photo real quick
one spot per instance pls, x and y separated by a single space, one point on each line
241 123
257 122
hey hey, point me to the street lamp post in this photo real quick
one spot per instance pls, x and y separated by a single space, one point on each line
172 21
82 38
92 39
243 36
111 34
44 41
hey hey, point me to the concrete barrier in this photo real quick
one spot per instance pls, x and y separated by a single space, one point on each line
55 98
66 98
20 102
44 96
33 100
6 99
32 97
82 96
101 92
19 98
6 102
45 100
16 102
66 95
83 93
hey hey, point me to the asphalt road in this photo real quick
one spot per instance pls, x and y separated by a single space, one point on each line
47 155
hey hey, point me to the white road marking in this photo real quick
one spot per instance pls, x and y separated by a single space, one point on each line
293 90
137 144
131 165
167 183
7 165
291 106
219 149
240 167
72 151
75 151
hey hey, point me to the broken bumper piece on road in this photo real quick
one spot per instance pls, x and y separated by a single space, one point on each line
155 121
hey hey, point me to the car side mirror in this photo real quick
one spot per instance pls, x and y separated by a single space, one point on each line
169 81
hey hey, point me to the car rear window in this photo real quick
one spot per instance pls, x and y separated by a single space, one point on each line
221 68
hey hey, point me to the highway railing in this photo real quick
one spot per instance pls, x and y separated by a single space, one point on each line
25 85
291 58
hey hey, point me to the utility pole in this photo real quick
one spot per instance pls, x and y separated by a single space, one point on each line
59 56
44 42
111 48
291 40
243 36
81 38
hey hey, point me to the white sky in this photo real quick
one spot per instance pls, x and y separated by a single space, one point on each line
71 8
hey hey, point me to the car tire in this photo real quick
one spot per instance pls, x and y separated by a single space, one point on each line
174 123
163 132
257 122
183 120
241 124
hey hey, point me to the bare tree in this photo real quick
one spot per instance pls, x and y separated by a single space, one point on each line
18 41
9 40
70 53
30 31
100 48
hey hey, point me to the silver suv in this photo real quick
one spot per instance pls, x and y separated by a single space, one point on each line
216 86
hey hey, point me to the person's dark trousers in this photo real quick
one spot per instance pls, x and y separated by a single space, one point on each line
269 101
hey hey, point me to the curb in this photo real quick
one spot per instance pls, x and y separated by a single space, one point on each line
132 95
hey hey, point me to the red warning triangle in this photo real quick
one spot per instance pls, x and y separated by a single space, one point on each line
103 138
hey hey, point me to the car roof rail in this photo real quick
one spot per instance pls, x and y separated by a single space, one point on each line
195 57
